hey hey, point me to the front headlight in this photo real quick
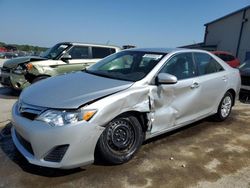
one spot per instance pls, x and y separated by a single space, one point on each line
60 118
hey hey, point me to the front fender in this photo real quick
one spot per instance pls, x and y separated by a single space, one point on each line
136 99
42 70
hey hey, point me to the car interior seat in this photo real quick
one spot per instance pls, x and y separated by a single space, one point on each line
180 68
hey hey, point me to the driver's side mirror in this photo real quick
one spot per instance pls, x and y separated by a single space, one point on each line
65 57
165 78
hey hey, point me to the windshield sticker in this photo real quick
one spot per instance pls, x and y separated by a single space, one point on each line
152 56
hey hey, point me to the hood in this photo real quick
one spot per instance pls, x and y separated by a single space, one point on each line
70 91
13 63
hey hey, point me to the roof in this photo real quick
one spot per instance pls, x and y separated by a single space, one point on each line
200 45
155 50
89 44
228 15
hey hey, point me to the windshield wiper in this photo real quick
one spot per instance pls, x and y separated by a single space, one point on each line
105 75
98 74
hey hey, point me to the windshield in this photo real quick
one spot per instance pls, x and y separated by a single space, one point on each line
55 51
126 65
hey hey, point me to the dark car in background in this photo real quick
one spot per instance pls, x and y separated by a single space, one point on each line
245 81
8 55
228 58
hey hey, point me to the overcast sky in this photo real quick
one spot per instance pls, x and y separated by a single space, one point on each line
144 23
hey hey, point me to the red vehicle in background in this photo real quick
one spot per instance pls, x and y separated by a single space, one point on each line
2 49
228 58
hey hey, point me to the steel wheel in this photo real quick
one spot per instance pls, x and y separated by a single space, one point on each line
121 136
120 140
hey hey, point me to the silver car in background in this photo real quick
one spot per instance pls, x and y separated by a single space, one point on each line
109 109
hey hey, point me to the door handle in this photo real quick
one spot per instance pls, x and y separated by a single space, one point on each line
195 85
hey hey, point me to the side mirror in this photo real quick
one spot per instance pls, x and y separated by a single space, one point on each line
164 78
65 57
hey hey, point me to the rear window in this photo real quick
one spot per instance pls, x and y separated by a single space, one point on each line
225 57
99 52
206 64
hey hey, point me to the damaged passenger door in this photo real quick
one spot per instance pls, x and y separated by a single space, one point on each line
174 104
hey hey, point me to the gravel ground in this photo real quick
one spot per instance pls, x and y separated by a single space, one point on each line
204 154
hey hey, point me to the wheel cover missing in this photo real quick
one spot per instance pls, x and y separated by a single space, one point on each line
121 136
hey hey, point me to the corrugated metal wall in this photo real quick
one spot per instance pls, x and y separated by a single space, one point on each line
225 34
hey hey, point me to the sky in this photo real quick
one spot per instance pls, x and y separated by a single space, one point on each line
144 23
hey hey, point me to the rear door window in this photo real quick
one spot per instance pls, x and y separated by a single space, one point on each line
206 64
100 52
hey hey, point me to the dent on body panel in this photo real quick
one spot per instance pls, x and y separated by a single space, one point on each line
162 114
188 101
136 99
45 70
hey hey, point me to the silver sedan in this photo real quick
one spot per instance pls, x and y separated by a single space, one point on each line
110 108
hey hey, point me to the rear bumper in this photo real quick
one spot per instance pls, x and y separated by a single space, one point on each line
39 142
245 88
244 93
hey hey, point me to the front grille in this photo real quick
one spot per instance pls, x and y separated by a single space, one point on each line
5 69
30 116
245 80
5 81
24 143
29 111
57 153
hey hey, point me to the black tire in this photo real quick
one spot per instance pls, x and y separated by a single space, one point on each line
224 109
120 140
39 78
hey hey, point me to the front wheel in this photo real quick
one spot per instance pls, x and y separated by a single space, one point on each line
120 140
225 107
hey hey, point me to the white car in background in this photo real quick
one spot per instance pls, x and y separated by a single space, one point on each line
62 58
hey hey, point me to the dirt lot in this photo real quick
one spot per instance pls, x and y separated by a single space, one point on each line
204 154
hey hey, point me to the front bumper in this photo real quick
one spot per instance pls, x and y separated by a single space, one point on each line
16 81
36 140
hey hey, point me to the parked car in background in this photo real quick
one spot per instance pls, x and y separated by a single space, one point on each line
20 72
2 55
8 55
245 81
228 58
110 108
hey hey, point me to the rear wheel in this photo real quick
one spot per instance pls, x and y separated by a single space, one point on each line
225 107
120 140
